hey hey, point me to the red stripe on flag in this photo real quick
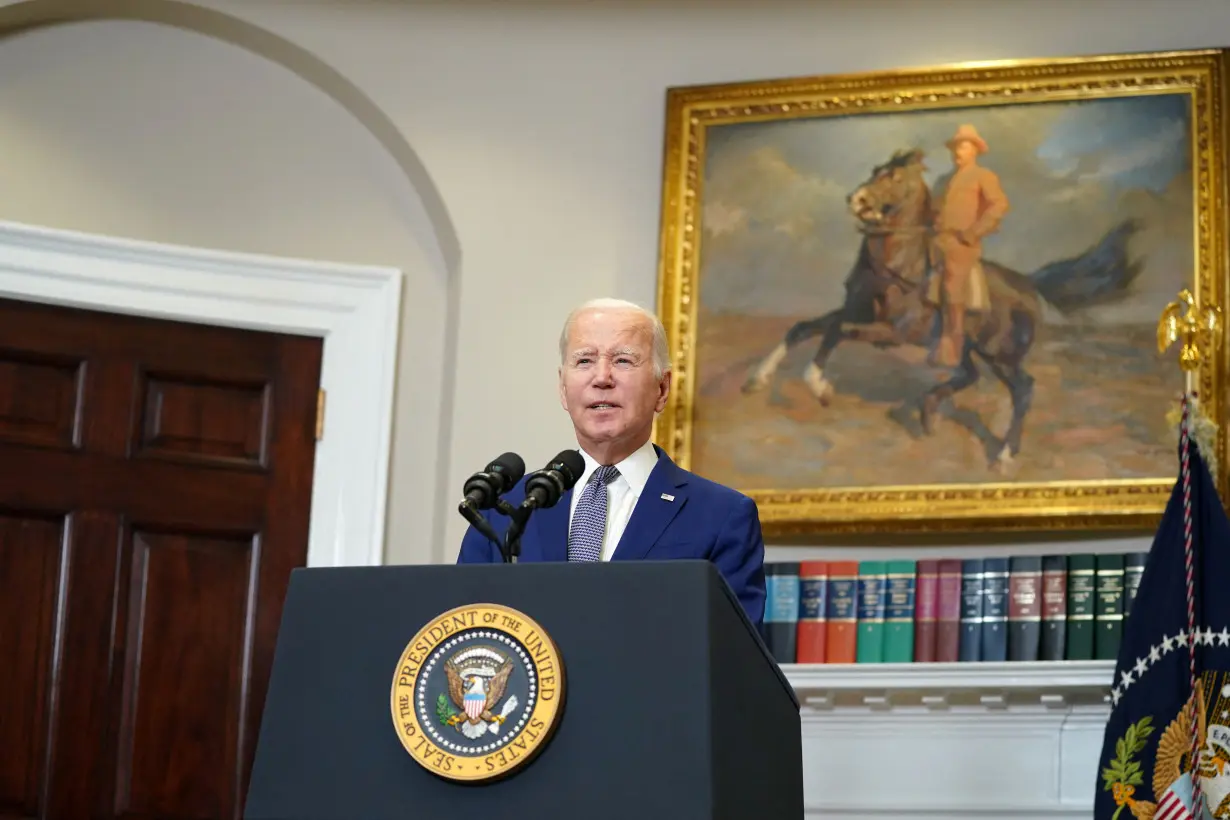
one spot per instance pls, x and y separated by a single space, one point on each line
1171 808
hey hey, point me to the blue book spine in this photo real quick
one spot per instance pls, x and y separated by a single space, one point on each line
995 609
781 616
812 599
971 610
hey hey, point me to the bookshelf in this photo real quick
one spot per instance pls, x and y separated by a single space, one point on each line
965 685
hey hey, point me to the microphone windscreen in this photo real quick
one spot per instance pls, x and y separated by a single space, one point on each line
510 467
570 465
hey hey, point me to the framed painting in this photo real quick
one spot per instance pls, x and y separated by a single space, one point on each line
929 299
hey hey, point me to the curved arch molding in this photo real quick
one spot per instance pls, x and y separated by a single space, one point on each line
33 14
355 308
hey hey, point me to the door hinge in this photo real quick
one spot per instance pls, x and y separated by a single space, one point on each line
320 414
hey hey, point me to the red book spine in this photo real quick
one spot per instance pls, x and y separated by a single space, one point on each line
926 611
1024 602
841 642
812 631
1054 608
948 618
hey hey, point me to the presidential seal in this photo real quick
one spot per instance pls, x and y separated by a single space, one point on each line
477 693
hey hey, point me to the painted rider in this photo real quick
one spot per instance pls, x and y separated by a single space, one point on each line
967 209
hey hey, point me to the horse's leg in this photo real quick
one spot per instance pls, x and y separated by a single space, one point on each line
813 375
1021 385
798 333
965 375
1006 360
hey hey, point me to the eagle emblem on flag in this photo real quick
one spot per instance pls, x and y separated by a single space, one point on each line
477 678
1171 776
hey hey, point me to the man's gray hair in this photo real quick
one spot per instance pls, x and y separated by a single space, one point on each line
661 352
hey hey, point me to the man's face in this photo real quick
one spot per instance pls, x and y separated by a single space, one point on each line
607 383
964 153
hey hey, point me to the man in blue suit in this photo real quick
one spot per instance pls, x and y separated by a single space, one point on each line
631 502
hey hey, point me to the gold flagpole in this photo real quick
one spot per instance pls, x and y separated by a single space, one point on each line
1196 329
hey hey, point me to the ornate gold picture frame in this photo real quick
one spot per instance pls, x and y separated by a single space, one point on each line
835 250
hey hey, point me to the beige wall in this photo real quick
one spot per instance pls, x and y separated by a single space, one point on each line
539 125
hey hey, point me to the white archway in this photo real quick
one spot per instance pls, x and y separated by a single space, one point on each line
357 532
32 14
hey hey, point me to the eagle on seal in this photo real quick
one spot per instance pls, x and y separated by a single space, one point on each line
475 695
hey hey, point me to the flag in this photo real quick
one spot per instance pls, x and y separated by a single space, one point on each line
1144 770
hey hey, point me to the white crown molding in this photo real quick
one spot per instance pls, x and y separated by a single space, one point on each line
983 686
355 309
942 676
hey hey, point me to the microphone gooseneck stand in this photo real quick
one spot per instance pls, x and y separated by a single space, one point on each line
519 517
469 511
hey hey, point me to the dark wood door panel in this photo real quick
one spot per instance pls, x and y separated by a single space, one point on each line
170 466
31 568
40 399
174 347
142 489
214 422
192 391
81 727
188 642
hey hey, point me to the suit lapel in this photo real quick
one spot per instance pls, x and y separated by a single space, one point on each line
664 495
552 525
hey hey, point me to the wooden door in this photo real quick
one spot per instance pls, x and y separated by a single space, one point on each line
155 480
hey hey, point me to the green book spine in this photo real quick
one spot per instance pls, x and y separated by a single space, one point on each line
899 611
871 600
1108 614
1081 583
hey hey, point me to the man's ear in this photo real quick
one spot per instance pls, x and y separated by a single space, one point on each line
664 391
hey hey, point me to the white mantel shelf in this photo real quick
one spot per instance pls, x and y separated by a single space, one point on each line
1084 678
982 740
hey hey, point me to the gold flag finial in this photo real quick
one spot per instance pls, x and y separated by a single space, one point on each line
1196 329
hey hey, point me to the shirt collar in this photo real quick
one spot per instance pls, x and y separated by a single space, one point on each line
634 469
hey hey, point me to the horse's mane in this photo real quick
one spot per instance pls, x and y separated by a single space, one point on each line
902 158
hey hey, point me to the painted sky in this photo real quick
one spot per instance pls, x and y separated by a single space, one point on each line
778 239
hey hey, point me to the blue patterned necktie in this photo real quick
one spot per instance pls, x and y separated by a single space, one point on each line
589 520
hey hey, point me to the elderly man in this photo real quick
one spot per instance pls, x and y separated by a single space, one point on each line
967 209
631 502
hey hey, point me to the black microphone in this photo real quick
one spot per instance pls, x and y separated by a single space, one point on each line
482 489
545 487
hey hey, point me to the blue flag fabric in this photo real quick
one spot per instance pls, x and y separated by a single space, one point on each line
1144 770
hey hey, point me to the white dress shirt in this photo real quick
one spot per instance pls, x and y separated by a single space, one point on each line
622 493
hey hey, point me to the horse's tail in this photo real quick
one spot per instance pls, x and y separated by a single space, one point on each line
1101 275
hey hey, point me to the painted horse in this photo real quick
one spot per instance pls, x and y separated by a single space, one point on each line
886 302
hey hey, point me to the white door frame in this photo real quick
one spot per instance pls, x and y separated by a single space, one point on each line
354 308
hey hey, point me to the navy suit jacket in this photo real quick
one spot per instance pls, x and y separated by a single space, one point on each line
705 520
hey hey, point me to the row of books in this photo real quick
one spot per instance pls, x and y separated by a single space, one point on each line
1019 608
